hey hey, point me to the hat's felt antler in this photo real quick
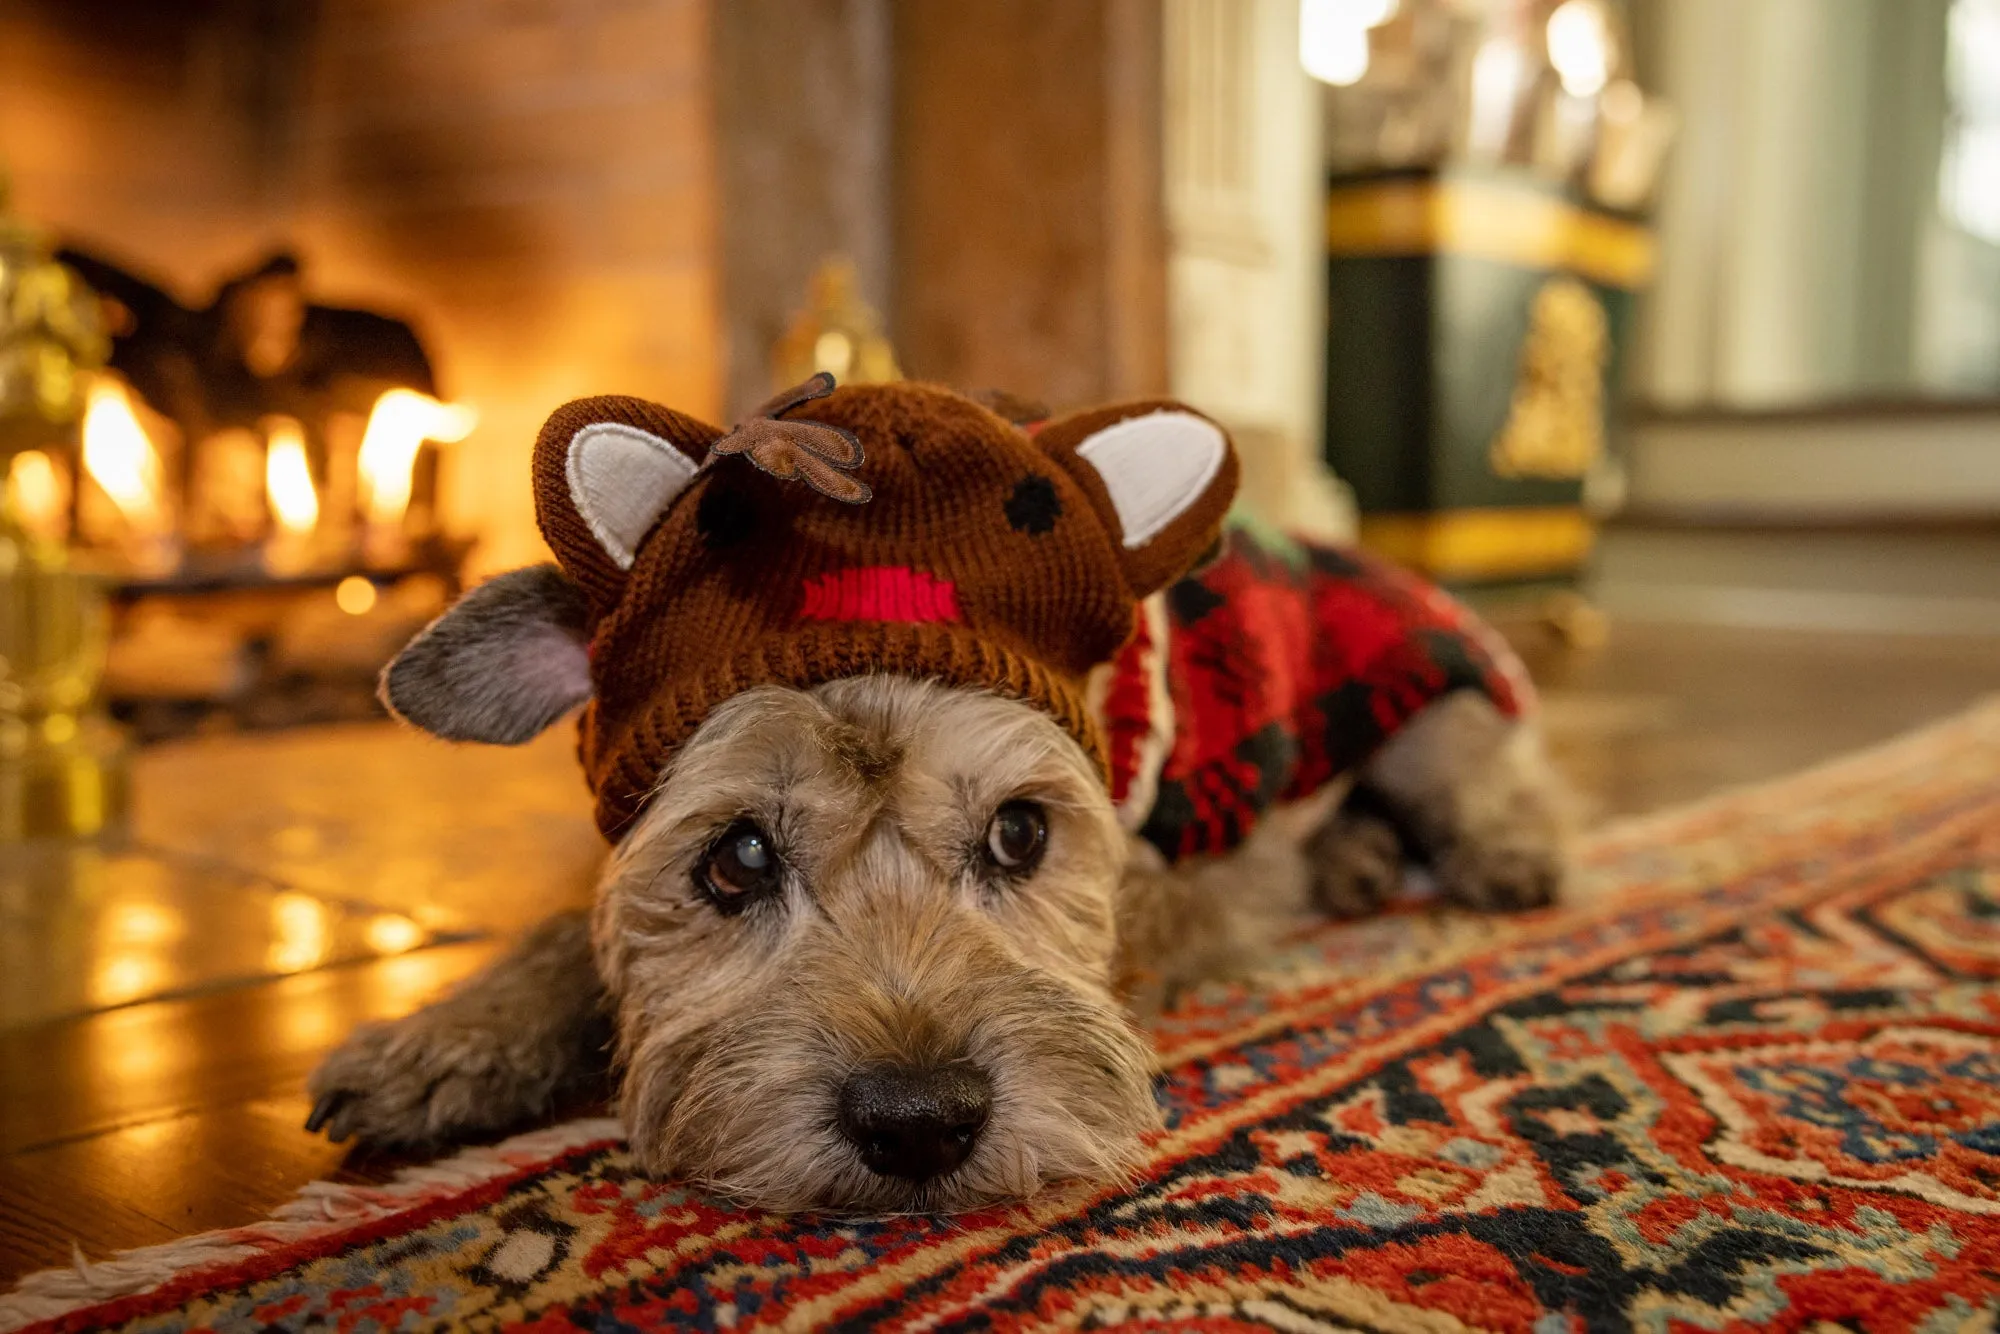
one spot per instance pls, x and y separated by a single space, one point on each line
823 457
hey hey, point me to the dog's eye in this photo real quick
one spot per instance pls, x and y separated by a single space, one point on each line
1016 837
740 867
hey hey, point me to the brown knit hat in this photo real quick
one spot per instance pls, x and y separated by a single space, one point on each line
878 528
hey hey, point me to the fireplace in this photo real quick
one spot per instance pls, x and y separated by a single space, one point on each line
522 185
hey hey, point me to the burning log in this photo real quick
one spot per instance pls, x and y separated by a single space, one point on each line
232 437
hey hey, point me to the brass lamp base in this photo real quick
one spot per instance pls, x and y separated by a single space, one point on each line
63 770
68 778
62 763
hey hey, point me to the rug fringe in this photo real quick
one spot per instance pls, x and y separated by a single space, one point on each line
319 1207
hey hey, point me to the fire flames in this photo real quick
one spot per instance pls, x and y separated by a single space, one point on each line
288 483
402 420
121 459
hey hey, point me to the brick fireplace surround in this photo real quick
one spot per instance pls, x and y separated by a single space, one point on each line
529 180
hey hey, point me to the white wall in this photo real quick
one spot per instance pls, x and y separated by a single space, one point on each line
1246 268
1795 216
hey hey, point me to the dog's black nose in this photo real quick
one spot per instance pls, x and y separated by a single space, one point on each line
915 1123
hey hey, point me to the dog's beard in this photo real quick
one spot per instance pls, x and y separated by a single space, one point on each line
893 946
751 1113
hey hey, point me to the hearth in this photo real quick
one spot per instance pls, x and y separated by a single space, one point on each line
256 481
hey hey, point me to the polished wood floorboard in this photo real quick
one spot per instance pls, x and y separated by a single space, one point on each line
146 1121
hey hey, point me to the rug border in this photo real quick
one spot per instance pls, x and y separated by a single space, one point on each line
322 1208
319 1209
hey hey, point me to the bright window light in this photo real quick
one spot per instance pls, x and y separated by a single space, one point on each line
1969 185
1333 37
1580 47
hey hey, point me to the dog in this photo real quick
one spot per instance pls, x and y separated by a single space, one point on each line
931 772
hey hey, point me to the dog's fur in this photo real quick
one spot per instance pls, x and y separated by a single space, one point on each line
892 942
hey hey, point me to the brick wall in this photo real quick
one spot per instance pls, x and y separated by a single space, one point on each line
531 180
131 125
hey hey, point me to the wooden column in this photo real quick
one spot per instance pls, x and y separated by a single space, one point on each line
1029 222
802 120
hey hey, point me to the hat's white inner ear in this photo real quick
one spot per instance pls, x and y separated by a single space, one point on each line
621 480
1154 466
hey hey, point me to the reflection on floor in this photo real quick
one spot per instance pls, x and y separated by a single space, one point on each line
84 929
160 1004
1669 713
258 856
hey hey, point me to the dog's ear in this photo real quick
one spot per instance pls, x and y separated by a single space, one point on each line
1161 477
606 469
506 661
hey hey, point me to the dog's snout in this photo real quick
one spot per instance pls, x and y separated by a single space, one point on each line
915 1123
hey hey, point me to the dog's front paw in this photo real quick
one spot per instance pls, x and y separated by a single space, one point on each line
1356 863
1501 875
437 1075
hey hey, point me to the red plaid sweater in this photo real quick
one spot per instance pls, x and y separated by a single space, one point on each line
1278 668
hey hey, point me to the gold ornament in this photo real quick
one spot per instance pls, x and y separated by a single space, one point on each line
1556 427
837 333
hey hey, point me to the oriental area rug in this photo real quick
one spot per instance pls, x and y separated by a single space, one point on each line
1748 1079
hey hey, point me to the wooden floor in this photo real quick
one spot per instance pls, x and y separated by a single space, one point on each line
161 1003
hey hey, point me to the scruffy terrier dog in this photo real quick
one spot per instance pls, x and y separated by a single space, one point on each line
929 768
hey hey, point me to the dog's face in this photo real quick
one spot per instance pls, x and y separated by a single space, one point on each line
860 947
859 931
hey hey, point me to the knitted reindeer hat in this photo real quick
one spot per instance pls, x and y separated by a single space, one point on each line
878 528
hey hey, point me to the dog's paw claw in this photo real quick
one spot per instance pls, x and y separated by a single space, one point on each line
1357 864
323 1111
345 1122
373 1086
1502 879
440 1074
